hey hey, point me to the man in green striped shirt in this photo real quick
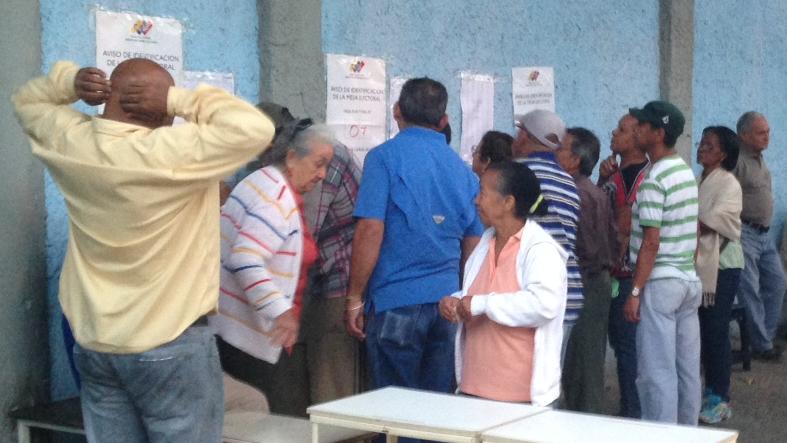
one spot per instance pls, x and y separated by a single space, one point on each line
666 290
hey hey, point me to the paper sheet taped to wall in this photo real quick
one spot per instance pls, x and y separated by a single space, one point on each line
393 96
533 88
356 104
477 98
121 36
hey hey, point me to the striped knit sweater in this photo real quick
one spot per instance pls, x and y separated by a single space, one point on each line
560 192
261 252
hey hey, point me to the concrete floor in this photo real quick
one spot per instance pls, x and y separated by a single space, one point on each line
758 400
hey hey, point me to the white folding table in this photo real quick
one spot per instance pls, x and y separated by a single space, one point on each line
560 426
258 427
399 412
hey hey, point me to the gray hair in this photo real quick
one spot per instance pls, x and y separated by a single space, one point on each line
293 138
586 146
746 120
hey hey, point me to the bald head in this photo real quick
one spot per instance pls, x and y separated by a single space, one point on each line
139 88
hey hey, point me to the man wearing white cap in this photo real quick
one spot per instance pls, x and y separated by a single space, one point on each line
539 134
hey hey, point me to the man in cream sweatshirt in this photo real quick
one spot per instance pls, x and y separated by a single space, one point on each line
142 262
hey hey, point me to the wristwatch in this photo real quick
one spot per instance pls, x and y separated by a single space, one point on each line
635 292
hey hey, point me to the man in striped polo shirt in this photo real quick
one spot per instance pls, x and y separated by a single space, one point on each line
666 291
539 134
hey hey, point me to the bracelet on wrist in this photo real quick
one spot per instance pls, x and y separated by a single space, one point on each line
356 307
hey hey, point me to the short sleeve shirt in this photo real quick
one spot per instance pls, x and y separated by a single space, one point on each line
423 193
668 200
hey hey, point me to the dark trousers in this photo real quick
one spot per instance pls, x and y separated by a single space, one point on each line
623 340
285 384
715 334
412 347
583 371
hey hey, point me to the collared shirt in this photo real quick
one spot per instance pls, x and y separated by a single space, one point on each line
668 200
498 359
561 221
329 213
423 193
596 233
142 262
755 180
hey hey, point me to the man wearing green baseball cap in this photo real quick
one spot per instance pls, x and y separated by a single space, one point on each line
666 291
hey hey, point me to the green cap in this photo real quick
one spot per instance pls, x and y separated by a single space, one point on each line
661 114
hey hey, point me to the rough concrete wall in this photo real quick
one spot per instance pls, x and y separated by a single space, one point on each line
219 35
676 26
605 53
740 57
292 65
23 327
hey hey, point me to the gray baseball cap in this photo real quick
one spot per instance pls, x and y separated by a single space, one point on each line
546 126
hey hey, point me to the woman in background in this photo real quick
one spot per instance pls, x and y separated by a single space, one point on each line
494 147
719 263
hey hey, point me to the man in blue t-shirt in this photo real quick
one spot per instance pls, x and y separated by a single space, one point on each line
416 221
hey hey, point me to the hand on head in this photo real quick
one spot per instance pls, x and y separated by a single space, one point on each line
139 94
92 86
145 99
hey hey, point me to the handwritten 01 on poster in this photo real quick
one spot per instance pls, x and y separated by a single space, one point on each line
124 35
356 105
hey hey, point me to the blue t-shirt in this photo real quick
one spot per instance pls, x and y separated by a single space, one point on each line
423 192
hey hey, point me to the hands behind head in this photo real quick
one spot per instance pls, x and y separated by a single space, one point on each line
145 99
92 86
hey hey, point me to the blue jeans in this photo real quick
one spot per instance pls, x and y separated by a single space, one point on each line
412 347
172 393
668 351
623 340
761 289
715 330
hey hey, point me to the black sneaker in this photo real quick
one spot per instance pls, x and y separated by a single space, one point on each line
771 355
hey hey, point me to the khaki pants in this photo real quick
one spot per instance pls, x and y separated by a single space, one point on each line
332 356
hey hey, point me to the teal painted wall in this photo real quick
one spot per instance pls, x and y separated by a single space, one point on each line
605 53
740 55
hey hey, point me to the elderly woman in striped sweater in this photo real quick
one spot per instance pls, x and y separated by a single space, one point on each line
266 251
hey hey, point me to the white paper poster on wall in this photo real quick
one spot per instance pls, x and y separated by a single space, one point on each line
356 90
533 88
121 36
477 98
356 104
393 96
359 138
221 80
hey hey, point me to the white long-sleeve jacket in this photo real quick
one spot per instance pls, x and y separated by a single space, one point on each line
540 303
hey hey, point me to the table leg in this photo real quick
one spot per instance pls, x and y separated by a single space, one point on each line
389 438
23 431
315 433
